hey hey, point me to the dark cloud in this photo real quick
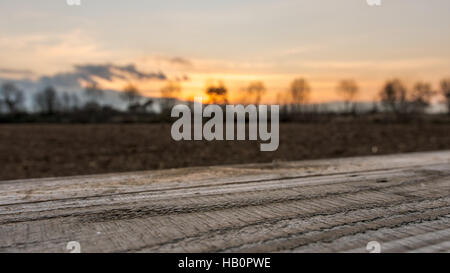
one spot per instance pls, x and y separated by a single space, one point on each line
71 81
131 69
181 61
107 72
65 79
184 78
101 71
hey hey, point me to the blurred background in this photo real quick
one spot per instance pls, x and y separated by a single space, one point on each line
88 88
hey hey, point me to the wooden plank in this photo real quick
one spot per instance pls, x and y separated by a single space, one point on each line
337 205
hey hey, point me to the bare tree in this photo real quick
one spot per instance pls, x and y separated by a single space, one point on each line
65 102
218 94
394 97
283 99
171 90
348 90
94 93
74 101
69 102
12 97
254 92
130 95
300 91
421 97
445 89
169 93
47 101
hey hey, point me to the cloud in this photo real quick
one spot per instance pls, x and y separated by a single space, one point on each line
47 53
180 61
169 62
107 75
393 64
131 69
16 72
182 78
91 72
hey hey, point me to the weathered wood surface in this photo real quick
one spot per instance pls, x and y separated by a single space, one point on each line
338 205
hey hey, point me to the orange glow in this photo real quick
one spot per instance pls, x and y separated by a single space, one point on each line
277 85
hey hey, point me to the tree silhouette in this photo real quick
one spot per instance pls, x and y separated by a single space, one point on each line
348 90
130 95
93 92
69 102
394 97
421 97
254 92
12 97
300 91
171 90
47 101
217 94
169 93
445 89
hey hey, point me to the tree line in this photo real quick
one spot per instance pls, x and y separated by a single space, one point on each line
49 101
394 97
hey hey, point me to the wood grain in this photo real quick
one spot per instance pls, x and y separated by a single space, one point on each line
338 205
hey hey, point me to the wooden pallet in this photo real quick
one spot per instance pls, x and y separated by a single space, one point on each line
338 205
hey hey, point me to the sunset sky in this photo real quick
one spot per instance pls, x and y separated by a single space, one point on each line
237 41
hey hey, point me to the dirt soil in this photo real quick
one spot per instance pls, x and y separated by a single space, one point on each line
33 151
